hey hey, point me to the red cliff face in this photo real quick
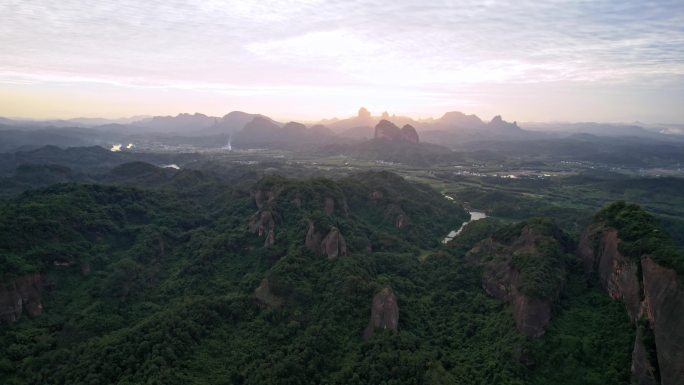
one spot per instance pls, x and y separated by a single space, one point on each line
664 300
531 315
662 304
262 224
618 274
384 312
501 280
332 244
19 296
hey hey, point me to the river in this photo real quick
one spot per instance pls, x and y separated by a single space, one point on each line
474 216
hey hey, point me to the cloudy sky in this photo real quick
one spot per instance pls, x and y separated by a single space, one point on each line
527 60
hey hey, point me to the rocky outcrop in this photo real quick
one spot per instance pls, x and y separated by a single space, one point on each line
263 225
330 243
21 295
617 274
265 297
409 134
643 372
656 297
664 305
334 245
384 313
263 197
504 280
388 130
531 315
313 239
329 206
397 216
501 281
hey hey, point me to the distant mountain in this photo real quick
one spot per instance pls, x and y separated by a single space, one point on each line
181 123
321 130
92 159
395 145
361 125
362 119
262 132
454 119
388 130
456 128
609 129
93 122
14 138
188 132
452 128
234 121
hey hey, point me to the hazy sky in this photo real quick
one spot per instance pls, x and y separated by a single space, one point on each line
526 60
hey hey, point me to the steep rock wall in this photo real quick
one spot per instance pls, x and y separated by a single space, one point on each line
21 295
384 312
656 295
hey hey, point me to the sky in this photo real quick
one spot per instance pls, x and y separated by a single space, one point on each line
607 61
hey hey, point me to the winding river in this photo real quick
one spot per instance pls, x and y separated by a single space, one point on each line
474 216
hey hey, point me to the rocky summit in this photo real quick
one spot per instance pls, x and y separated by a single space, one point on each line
388 130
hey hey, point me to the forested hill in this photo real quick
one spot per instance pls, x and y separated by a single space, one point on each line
163 277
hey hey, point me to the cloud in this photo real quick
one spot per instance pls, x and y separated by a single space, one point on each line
277 46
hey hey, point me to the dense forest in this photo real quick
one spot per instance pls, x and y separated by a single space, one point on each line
186 277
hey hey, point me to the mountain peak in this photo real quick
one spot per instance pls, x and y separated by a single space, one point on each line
364 113
388 130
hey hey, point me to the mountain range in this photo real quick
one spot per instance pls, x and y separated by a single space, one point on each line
352 136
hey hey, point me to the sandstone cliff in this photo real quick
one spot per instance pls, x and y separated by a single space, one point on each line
525 271
384 312
654 299
330 243
262 224
21 295
396 216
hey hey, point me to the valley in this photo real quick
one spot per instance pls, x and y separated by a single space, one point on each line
255 266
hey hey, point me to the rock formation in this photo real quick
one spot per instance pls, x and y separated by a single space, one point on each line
265 297
618 275
384 313
20 295
397 216
388 130
364 114
262 224
501 278
263 197
334 245
331 244
329 207
409 134
656 298
313 239
664 305
502 281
